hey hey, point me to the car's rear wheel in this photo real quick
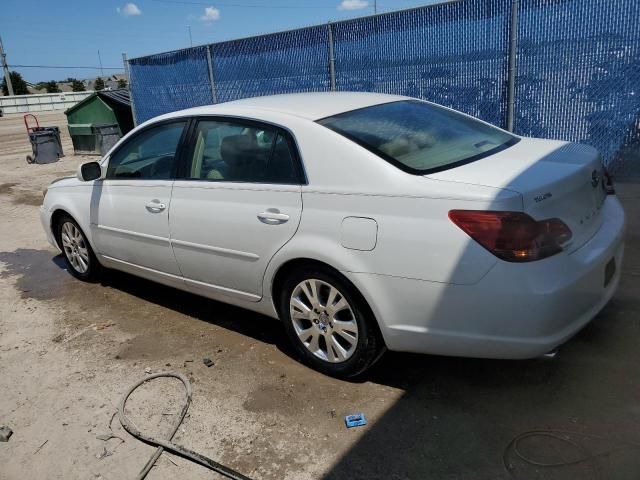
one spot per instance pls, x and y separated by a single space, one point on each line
81 261
329 323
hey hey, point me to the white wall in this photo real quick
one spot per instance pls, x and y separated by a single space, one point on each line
41 102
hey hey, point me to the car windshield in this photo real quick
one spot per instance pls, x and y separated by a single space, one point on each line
419 137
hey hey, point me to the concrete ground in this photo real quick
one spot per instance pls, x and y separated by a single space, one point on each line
69 350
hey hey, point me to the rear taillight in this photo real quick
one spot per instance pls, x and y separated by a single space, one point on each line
608 182
513 236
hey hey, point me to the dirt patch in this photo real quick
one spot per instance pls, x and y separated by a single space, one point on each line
158 321
273 399
19 196
5 188
277 463
154 345
24 197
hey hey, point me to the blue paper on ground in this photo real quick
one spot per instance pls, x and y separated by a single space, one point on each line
355 420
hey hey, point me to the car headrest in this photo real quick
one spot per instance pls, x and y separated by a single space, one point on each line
236 145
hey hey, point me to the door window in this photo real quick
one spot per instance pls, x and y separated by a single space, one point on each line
149 155
233 152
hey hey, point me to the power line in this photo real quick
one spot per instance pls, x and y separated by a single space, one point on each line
371 3
64 66
242 5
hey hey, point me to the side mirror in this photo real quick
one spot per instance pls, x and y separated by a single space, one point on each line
89 171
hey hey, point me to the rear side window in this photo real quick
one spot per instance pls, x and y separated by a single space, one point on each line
149 155
237 152
419 137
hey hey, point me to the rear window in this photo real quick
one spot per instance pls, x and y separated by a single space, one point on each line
420 137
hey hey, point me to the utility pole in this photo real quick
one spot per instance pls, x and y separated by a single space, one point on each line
375 7
332 61
190 39
127 72
100 62
5 68
512 66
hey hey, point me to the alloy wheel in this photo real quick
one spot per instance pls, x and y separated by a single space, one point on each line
75 248
323 320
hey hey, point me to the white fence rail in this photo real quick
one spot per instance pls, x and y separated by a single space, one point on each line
41 102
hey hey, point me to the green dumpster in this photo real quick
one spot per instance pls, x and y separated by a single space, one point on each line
86 120
82 137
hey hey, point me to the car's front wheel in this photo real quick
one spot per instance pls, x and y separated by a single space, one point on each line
328 323
81 261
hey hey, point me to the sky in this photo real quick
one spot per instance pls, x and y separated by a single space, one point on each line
72 33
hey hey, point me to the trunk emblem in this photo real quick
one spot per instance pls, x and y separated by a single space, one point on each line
544 196
595 178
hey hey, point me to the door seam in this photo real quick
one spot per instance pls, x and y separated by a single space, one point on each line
173 251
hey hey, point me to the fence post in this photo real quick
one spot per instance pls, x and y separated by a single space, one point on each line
332 63
511 81
127 73
211 81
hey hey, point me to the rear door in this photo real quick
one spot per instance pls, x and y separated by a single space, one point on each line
131 223
238 202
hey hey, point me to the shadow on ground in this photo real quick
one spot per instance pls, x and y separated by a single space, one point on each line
41 275
458 418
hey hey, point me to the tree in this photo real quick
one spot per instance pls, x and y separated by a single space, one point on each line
99 84
122 83
19 85
52 87
77 86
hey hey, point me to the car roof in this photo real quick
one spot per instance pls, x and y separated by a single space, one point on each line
312 106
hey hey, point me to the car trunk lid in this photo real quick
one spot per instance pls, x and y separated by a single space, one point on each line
555 179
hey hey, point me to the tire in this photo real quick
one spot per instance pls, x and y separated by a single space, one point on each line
78 254
335 333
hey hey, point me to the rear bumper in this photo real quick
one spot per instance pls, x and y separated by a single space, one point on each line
515 311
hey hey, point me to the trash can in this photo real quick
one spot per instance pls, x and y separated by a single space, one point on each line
56 133
45 146
107 135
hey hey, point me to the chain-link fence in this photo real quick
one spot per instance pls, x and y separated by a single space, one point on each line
451 54
579 76
574 66
170 81
285 62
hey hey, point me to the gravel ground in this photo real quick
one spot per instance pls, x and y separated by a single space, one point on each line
69 350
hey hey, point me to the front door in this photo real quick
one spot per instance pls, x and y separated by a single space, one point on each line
238 203
131 224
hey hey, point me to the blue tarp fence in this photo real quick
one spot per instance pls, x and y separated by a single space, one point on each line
577 67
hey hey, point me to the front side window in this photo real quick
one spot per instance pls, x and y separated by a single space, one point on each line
150 155
234 152
419 137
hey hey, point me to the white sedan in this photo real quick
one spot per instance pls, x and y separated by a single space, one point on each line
363 221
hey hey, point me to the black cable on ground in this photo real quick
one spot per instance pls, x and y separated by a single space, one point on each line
563 436
165 444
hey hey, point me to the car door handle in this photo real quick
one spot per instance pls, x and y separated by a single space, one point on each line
155 206
273 217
